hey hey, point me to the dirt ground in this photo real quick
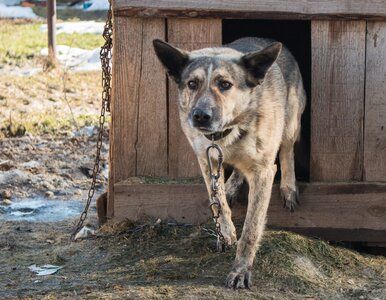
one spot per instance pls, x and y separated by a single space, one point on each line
47 148
176 262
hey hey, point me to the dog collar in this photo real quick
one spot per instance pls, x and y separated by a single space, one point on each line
218 135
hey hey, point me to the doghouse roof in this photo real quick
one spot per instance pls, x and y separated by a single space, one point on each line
254 9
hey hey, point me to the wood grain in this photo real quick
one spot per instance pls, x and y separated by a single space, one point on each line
342 208
124 105
278 9
152 141
375 104
183 203
138 135
188 34
338 67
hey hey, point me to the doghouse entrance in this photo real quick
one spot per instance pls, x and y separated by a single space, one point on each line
296 36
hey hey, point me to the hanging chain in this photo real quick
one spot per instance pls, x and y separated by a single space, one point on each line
215 205
105 57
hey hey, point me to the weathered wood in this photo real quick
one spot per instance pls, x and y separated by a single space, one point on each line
338 67
351 209
277 9
51 28
184 203
151 144
188 34
375 104
138 134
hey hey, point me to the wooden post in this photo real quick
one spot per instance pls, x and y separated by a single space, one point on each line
51 24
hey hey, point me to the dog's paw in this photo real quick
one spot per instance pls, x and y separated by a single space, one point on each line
290 197
239 279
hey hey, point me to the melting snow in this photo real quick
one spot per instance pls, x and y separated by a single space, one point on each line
39 210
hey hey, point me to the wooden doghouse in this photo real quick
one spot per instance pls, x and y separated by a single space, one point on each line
341 50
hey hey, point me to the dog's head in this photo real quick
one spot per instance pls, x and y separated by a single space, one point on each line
215 84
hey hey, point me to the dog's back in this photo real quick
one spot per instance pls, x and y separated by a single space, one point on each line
286 61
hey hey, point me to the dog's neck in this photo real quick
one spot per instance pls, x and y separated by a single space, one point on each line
222 134
218 135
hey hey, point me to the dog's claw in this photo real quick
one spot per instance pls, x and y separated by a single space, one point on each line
239 280
290 198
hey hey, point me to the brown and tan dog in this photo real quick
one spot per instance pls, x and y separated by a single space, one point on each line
249 96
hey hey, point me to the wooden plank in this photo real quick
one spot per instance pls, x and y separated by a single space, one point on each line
338 66
375 104
126 90
151 144
339 211
138 135
182 203
278 9
188 34
124 105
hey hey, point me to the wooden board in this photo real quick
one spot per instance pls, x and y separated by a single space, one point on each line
137 147
338 67
188 34
152 138
342 211
183 203
278 9
375 104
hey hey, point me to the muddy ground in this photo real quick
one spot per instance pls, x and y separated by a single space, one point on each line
176 262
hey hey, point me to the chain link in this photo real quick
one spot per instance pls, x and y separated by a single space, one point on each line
105 57
215 205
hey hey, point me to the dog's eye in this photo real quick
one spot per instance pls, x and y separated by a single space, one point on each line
193 85
224 85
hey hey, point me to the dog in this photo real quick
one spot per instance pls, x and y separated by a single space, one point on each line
249 97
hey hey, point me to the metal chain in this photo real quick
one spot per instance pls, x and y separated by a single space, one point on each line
214 198
105 57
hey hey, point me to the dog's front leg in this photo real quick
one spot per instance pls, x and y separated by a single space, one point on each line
260 186
227 227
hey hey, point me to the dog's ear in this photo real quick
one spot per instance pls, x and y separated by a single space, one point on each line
258 63
173 59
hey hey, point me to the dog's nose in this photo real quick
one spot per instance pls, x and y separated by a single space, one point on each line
201 117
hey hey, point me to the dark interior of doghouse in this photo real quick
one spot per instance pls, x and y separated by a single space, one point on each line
296 36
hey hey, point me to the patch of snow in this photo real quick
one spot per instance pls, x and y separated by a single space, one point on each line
10 2
96 5
39 210
16 12
76 59
77 27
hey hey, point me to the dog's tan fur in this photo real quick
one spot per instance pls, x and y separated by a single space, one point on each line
264 117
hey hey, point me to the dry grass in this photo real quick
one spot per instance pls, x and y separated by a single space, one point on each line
38 102
287 263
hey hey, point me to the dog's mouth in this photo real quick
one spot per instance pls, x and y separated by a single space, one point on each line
218 135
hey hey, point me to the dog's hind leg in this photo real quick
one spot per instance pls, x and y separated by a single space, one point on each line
233 186
295 107
228 229
288 188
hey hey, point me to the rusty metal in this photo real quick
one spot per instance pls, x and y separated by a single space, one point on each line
105 57
215 205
